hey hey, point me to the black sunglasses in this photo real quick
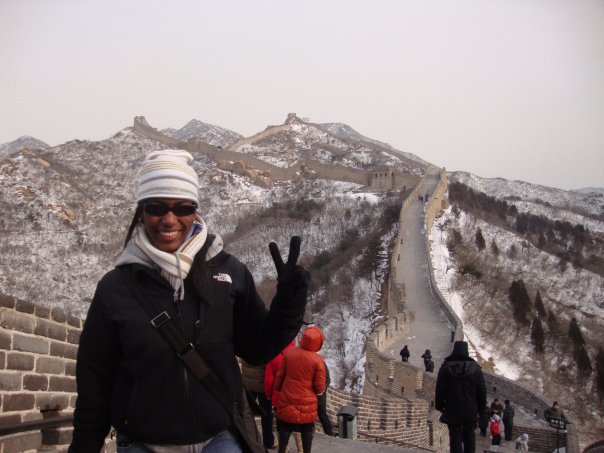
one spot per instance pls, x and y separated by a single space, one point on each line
160 210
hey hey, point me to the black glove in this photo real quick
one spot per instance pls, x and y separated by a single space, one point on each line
291 278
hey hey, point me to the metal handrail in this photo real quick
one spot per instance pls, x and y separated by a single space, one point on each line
34 425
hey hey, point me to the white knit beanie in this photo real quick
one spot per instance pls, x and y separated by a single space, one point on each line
168 174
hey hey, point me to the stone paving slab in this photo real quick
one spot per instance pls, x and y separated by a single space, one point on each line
427 327
322 443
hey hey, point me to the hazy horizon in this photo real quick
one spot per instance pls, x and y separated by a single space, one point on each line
498 88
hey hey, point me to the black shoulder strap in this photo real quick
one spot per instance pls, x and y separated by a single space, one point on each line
161 320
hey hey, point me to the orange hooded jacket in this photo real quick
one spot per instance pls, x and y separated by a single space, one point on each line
300 378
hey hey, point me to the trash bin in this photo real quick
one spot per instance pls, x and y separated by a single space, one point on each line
347 422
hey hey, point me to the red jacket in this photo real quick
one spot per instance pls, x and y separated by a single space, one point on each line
269 376
300 378
495 428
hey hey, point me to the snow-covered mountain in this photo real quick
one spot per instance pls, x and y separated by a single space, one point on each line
538 199
25 141
214 135
344 131
71 205
298 140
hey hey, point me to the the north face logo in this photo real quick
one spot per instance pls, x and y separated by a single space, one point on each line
223 278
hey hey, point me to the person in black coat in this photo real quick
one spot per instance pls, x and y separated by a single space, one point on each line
483 420
405 354
508 420
428 363
128 375
322 406
460 394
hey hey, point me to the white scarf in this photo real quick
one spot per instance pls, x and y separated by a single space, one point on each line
175 266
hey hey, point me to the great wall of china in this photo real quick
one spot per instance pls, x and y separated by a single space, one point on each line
38 348
262 173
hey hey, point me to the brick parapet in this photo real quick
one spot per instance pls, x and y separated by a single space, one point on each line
401 420
38 347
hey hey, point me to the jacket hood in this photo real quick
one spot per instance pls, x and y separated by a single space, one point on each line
460 348
312 339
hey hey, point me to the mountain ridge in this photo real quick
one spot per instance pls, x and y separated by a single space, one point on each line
25 141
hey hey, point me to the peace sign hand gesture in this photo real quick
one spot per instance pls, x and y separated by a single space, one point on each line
291 278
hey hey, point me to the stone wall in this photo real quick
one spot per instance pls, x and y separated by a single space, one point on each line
399 421
434 207
261 172
437 202
544 437
391 178
38 348
259 136
386 377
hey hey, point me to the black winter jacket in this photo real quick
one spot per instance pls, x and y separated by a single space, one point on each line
460 390
128 377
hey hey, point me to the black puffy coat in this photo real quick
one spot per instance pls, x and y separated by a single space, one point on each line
460 390
128 376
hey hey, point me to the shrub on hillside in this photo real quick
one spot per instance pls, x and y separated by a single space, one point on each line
494 248
600 370
574 332
582 359
480 243
537 336
521 302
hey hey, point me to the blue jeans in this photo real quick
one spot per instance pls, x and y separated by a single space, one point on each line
223 442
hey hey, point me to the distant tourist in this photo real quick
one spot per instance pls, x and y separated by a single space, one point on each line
405 353
300 378
495 431
253 379
483 420
173 275
496 407
460 394
428 363
554 412
508 420
322 406
522 442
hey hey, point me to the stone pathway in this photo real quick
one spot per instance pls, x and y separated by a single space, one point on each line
427 327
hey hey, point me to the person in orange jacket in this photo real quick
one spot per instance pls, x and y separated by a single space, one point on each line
300 378
271 392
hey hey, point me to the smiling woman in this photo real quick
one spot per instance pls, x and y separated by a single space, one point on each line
174 301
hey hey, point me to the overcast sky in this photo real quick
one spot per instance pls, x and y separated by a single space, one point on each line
499 88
